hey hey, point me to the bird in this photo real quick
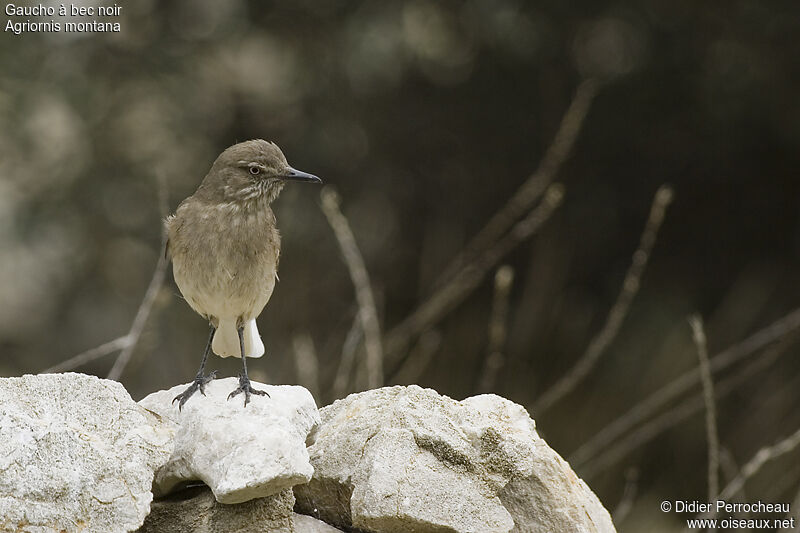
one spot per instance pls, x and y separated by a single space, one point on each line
224 245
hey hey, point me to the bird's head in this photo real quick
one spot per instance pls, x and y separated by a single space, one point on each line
249 171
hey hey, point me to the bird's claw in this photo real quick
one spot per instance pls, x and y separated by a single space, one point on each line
247 389
199 383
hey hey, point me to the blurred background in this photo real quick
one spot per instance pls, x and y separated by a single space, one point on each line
427 117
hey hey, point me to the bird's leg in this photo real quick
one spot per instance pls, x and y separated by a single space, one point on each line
244 381
200 380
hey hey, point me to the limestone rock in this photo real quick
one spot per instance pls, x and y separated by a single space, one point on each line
553 498
242 453
409 459
76 454
195 510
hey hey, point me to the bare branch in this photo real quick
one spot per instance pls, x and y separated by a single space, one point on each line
615 451
498 329
630 286
666 394
669 392
763 456
468 278
358 273
536 184
306 363
89 355
712 435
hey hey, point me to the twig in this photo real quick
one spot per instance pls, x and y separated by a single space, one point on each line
498 329
778 486
467 279
306 363
630 286
89 355
625 504
153 288
536 184
712 435
351 342
668 393
492 242
358 273
417 361
763 456
658 424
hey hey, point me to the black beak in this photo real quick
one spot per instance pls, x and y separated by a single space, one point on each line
299 175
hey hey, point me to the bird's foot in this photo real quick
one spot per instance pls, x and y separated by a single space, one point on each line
247 389
199 383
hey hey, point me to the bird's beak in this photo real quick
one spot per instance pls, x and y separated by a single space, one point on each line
299 175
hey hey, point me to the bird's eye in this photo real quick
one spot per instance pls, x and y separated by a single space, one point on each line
255 171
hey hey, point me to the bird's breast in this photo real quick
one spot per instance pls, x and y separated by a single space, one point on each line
225 259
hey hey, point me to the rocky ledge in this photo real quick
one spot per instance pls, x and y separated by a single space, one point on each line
77 454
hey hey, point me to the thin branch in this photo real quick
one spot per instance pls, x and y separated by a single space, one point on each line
648 407
778 485
467 270
498 329
763 456
89 355
629 493
353 339
306 363
614 452
536 184
754 465
427 314
358 273
712 435
630 286
156 282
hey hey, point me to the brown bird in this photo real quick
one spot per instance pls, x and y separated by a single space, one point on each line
224 244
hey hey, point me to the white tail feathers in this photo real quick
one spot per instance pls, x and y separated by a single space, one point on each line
226 340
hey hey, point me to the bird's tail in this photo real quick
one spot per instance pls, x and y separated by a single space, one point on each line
226 340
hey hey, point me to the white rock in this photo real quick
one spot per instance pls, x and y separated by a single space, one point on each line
408 459
240 452
76 454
